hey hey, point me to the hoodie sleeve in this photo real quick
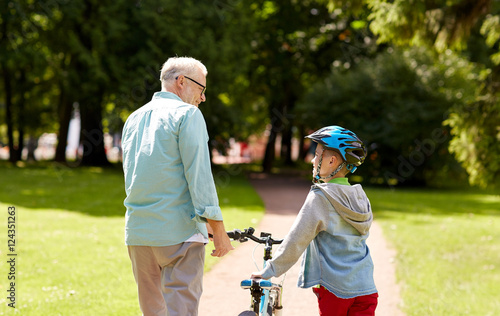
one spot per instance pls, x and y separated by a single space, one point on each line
311 220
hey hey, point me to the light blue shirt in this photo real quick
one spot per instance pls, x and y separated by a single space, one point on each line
168 178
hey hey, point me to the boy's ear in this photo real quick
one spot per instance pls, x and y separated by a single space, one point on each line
333 159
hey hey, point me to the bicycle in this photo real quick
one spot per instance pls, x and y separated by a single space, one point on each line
266 296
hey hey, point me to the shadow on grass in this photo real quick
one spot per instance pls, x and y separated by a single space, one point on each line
97 191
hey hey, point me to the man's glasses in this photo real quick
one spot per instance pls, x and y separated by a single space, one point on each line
203 87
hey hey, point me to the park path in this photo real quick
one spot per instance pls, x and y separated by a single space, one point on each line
283 196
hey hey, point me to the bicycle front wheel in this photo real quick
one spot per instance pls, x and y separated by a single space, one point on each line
247 313
269 310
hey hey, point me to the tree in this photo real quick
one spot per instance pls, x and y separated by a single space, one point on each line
25 75
106 57
294 44
452 25
213 32
396 103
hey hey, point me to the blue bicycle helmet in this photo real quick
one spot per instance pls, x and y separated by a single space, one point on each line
343 141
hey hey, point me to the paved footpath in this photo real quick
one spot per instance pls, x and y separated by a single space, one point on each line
283 197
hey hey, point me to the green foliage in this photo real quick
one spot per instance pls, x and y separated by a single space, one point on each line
262 57
396 103
229 110
442 24
107 56
26 76
476 136
354 6
447 248
294 44
462 25
157 30
491 30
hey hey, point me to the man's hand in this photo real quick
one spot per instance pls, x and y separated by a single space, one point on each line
222 242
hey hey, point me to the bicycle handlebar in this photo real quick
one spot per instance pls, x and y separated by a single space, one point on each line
242 236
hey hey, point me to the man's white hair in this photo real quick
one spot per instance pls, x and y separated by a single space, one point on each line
176 66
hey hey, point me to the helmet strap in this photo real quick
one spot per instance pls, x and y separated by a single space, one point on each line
351 168
319 179
337 170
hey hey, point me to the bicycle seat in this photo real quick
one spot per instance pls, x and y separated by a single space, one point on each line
248 283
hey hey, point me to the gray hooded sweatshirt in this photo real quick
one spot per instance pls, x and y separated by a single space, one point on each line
331 227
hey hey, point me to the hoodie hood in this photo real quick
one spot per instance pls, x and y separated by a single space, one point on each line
351 203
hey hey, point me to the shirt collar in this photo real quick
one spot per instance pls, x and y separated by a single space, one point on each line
343 181
166 95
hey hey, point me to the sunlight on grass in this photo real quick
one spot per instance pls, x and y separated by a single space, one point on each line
448 246
70 264
72 259
493 199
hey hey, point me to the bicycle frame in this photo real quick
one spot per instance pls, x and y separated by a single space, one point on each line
266 296
260 291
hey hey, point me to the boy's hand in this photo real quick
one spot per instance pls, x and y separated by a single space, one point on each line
258 275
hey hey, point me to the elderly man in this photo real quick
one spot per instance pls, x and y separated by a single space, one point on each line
171 195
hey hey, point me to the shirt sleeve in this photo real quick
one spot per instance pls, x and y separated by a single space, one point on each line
193 147
311 220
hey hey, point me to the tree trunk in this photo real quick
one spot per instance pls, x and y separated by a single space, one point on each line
286 144
8 114
64 118
31 146
287 133
302 149
20 118
277 122
270 154
280 123
92 135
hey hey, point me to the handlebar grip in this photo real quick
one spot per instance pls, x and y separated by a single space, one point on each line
243 236
235 234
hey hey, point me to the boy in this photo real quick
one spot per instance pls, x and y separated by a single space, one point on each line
333 225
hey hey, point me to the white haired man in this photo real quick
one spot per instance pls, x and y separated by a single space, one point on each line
171 197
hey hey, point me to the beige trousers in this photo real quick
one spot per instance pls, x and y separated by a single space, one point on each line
169 279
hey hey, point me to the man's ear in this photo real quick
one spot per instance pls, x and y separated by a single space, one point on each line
179 81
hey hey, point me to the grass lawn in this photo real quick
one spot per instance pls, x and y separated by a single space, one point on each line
71 258
448 245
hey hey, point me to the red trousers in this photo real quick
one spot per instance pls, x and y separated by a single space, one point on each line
331 305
